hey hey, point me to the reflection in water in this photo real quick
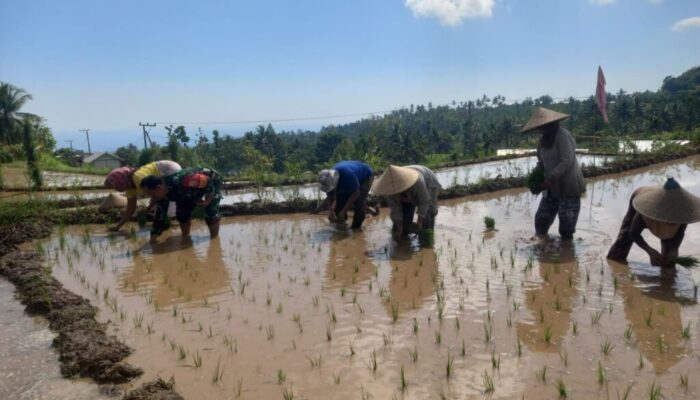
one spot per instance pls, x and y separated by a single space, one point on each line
177 274
654 315
552 300
414 273
348 263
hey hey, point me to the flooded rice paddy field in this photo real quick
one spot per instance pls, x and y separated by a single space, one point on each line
292 305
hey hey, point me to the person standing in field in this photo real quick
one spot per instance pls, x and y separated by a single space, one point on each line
190 188
563 180
128 179
666 211
347 186
409 190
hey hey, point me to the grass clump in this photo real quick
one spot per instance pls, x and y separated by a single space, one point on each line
687 261
490 223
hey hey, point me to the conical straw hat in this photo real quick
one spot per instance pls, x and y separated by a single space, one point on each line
395 180
543 116
669 203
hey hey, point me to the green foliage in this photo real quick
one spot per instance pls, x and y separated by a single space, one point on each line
490 223
130 154
31 156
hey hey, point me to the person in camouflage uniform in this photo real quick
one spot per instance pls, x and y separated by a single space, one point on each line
190 188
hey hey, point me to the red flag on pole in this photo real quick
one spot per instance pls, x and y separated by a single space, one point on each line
600 97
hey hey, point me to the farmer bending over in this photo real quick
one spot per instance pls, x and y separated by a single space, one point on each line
409 190
346 186
666 211
189 188
128 179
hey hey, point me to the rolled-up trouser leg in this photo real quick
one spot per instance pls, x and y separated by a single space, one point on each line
545 215
569 209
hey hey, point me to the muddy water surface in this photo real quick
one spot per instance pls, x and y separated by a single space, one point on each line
294 304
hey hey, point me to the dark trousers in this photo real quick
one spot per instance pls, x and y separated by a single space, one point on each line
408 211
358 208
567 208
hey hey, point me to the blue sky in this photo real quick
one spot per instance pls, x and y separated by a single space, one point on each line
106 65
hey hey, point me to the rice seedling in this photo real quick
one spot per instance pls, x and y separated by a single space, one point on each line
404 381
138 321
685 332
394 312
489 223
413 353
519 347
561 388
315 362
182 353
564 357
387 339
548 334
602 376
352 349
626 393
607 347
628 332
595 317
684 381
654 391
149 328
336 379
495 361
488 330
329 333
488 383
218 373
574 328
270 331
541 374
197 360
288 394
279 308
648 317
449 366
281 377
373 361
438 337
640 360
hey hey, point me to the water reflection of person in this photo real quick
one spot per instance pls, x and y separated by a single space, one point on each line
551 302
413 275
661 343
179 274
666 211
348 263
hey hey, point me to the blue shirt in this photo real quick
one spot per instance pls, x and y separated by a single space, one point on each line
352 174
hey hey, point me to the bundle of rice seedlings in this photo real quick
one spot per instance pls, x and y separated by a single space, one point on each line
535 179
687 261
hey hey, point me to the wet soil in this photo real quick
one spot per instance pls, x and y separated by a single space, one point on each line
84 347
296 305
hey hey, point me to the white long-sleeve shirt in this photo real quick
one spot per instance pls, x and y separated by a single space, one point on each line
423 194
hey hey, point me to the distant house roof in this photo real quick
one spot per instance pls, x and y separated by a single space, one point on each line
95 156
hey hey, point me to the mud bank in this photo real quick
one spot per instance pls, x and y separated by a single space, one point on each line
84 347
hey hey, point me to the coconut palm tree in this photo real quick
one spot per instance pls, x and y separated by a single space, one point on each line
12 99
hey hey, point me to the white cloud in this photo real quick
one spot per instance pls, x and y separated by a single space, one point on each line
686 23
451 12
602 2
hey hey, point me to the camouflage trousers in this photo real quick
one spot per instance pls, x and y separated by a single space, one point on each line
567 208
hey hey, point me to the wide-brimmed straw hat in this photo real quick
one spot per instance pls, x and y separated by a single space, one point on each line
543 116
395 180
669 203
